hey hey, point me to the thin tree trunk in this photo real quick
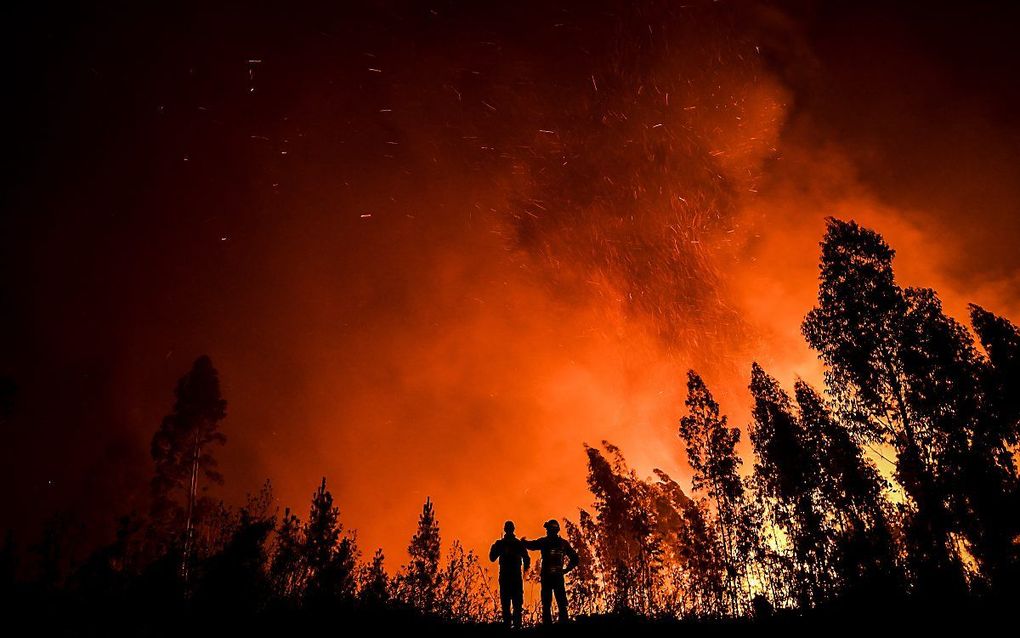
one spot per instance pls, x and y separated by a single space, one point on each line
189 529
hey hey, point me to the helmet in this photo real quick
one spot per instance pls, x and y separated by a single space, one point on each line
552 525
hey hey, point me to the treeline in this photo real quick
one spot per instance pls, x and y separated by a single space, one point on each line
813 526
193 560
816 524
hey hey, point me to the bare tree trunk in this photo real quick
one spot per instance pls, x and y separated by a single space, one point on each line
189 529
728 557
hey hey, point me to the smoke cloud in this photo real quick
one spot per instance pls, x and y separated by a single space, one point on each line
432 251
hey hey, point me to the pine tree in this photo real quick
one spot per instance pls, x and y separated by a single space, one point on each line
375 588
419 582
330 556
182 452
322 531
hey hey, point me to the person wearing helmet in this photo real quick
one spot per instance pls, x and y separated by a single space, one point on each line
555 550
511 554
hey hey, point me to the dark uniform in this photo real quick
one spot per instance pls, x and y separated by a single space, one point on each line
555 551
512 557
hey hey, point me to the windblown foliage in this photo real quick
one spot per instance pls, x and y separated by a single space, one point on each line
815 525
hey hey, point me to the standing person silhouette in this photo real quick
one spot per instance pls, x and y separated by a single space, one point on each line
554 549
512 556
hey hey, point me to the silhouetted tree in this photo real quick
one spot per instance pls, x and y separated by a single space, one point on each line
973 465
585 592
692 547
460 597
330 556
711 453
862 331
851 492
234 582
287 568
627 550
375 584
213 529
993 516
1000 339
419 582
787 471
182 451
589 530
109 569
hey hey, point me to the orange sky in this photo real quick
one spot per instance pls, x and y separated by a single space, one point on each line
432 254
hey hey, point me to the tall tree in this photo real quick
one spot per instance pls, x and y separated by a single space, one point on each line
689 550
627 549
850 489
973 463
787 471
419 582
711 452
182 452
330 556
862 330
995 511
1000 339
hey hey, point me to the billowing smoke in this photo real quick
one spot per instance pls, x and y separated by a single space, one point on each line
434 249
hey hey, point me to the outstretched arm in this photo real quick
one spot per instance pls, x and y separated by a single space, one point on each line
572 558
536 544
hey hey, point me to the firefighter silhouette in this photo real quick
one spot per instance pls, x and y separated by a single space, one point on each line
512 556
555 550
